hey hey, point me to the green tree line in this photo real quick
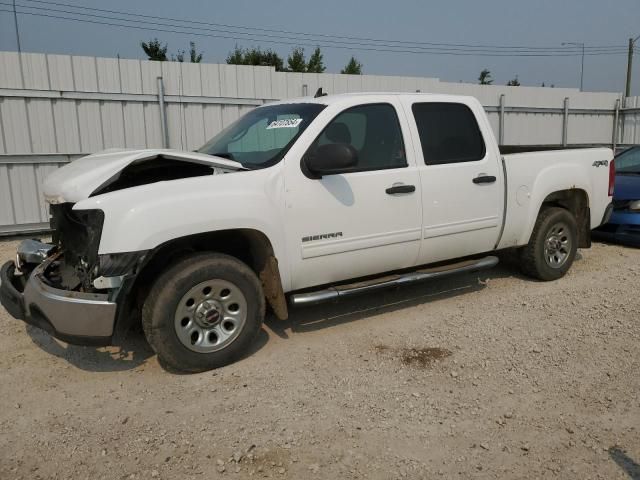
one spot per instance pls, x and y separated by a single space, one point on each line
295 62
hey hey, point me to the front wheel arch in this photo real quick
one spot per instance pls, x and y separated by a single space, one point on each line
250 246
163 310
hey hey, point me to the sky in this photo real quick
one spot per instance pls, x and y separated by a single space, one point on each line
539 23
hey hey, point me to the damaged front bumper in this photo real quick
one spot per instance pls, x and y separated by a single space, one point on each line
80 318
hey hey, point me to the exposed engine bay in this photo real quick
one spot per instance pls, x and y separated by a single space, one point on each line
152 170
74 248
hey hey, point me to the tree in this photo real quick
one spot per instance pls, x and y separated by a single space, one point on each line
236 57
315 64
269 57
514 83
296 61
255 56
485 77
155 50
354 67
194 56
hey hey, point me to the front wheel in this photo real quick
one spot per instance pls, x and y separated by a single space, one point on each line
553 245
203 312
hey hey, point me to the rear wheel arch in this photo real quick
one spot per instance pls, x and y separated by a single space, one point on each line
576 201
552 246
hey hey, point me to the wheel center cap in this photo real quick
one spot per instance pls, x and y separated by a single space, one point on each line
208 313
553 244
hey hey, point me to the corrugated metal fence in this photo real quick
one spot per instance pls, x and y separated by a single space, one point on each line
55 108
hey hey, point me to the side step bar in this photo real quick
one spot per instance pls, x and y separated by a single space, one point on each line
397 280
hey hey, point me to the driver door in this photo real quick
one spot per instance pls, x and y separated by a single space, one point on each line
359 222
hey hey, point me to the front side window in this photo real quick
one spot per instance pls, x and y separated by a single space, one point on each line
263 136
449 133
373 131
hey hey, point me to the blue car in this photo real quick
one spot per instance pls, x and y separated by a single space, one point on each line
624 225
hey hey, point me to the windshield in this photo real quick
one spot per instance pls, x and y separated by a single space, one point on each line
628 162
263 136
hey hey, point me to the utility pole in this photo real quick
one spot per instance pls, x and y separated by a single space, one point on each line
15 20
582 69
627 90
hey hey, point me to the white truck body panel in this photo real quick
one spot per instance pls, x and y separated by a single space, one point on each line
531 177
147 216
361 229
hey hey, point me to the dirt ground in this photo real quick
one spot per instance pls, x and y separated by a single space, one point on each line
490 376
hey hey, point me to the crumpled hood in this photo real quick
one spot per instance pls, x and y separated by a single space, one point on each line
79 179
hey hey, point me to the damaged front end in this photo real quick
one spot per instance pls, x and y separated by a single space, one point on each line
65 287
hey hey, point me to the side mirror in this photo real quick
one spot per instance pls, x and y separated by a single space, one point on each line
331 158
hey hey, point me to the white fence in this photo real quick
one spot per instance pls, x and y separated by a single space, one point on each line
54 108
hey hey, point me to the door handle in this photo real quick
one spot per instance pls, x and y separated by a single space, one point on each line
400 189
484 179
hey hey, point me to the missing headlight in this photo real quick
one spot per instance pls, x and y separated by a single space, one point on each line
77 233
115 264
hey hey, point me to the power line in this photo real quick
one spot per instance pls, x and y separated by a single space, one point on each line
404 43
347 47
608 50
309 34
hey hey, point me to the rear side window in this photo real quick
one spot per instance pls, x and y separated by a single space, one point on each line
448 132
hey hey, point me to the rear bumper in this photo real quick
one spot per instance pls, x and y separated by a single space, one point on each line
623 227
627 234
73 317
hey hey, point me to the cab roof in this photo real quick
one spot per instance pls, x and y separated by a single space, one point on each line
347 97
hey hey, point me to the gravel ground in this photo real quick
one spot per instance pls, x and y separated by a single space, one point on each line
494 376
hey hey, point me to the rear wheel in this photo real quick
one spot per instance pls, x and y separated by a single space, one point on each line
203 312
553 245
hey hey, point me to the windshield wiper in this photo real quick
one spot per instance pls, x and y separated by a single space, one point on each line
622 172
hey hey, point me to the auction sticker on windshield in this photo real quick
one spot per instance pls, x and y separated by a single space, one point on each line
285 123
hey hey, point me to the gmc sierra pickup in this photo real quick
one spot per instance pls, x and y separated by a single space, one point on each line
296 203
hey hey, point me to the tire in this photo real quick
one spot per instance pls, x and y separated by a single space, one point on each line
203 312
553 245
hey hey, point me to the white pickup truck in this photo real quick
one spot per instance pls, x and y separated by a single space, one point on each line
305 200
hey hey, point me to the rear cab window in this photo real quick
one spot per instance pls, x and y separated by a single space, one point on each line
449 133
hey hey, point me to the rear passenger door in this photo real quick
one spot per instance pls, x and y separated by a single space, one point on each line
461 178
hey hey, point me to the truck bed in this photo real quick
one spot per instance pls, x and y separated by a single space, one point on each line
532 176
